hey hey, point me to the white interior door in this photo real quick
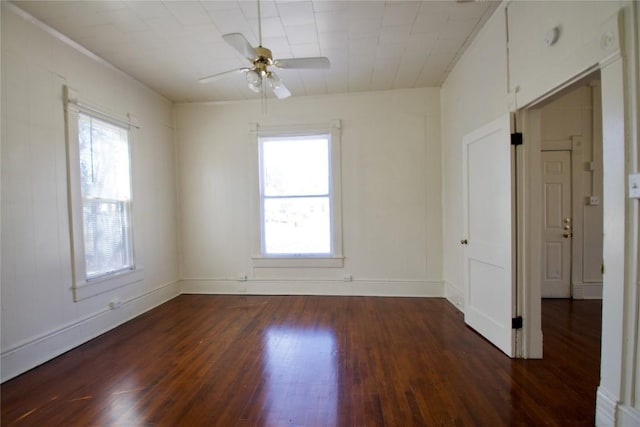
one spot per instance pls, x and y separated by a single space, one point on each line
556 224
487 253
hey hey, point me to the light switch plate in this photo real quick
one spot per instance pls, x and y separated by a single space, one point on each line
634 186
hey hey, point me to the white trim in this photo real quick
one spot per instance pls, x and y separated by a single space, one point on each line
294 129
605 408
577 209
86 289
630 34
72 100
628 416
454 295
578 80
586 290
294 262
363 287
40 349
530 234
615 229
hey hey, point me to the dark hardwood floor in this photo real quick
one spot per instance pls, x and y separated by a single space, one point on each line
202 360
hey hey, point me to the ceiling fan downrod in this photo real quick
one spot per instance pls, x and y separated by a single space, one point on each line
260 28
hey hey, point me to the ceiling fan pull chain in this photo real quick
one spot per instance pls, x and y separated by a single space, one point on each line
263 96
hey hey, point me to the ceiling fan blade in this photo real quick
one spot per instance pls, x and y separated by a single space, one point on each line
317 62
213 77
281 92
241 44
277 86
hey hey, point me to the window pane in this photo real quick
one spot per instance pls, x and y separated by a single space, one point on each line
104 159
297 226
105 236
295 166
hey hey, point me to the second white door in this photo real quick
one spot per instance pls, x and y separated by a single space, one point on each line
557 224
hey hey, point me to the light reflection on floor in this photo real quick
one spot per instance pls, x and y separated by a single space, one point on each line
123 402
301 376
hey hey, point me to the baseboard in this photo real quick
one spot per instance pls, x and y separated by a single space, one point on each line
34 352
391 288
454 295
587 291
606 405
628 416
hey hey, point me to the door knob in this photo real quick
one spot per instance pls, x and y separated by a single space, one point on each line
567 227
566 220
464 242
567 234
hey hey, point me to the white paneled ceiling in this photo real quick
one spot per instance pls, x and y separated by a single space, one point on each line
372 45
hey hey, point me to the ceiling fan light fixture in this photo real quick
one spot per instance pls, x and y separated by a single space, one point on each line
254 79
274 81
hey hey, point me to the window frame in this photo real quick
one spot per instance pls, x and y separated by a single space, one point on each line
83 286
335 258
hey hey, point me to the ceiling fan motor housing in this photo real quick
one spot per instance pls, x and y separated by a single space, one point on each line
263 58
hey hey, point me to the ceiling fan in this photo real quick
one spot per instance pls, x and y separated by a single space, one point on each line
260 73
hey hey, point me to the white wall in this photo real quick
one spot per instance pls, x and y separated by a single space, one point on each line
391 194
488 81
39 318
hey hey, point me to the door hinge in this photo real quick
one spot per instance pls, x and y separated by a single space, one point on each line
516 322
516 138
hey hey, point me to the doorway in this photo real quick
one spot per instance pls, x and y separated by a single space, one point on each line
570 120
569 141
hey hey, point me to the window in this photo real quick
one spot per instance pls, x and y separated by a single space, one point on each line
296 196
99 158
299 197
105 185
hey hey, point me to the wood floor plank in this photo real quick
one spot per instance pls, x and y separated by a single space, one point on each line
203 360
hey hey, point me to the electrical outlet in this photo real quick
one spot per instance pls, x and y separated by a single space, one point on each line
242 278
348 278
634 186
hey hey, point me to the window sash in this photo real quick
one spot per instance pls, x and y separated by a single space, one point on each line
304 229
309 174
117 255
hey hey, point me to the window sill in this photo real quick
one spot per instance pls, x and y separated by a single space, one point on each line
87 289
300 262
